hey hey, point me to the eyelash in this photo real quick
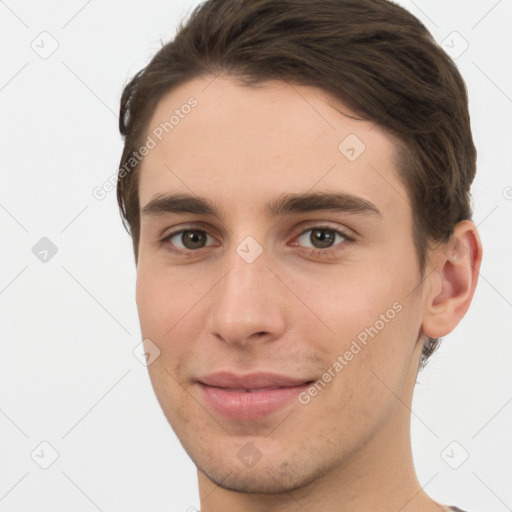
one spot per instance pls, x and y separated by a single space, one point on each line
310 251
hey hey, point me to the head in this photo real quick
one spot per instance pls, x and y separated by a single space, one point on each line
340 124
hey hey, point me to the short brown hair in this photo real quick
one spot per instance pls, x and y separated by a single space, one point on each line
373 55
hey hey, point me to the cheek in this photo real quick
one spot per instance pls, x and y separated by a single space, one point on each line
151 303
371 325
163 298
348 300
366 369
164 305
170 316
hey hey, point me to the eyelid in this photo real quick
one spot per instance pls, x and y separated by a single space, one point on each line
165 240
319 224
347 238
312 225
181 231
192 226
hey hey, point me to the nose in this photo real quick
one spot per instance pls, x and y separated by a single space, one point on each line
247 304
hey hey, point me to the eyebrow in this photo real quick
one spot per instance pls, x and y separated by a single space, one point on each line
286 203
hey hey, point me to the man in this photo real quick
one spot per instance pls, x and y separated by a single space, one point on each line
296 181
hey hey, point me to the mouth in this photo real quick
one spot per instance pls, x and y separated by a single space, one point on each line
249 397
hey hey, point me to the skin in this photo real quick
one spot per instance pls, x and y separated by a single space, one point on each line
291 311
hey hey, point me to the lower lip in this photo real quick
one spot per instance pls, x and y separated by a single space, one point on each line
249 405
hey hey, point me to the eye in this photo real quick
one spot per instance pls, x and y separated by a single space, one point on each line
320 237
189 239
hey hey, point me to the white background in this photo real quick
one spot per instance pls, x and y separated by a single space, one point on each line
69 326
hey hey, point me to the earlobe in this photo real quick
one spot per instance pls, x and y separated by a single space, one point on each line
456 266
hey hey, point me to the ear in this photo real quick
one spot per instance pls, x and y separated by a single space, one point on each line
453 278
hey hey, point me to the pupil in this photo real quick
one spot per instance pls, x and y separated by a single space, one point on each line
193 239
321 238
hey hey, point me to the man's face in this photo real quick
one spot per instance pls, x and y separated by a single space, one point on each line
252 304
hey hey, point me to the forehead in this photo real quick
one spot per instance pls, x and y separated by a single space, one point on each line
215 137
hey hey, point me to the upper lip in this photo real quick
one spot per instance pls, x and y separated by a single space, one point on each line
250 381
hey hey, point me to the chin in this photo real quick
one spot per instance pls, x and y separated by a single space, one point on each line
263 481
275 475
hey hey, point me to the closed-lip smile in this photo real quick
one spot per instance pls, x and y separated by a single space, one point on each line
251 396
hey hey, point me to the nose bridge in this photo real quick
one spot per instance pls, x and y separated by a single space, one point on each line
246 282
246 300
